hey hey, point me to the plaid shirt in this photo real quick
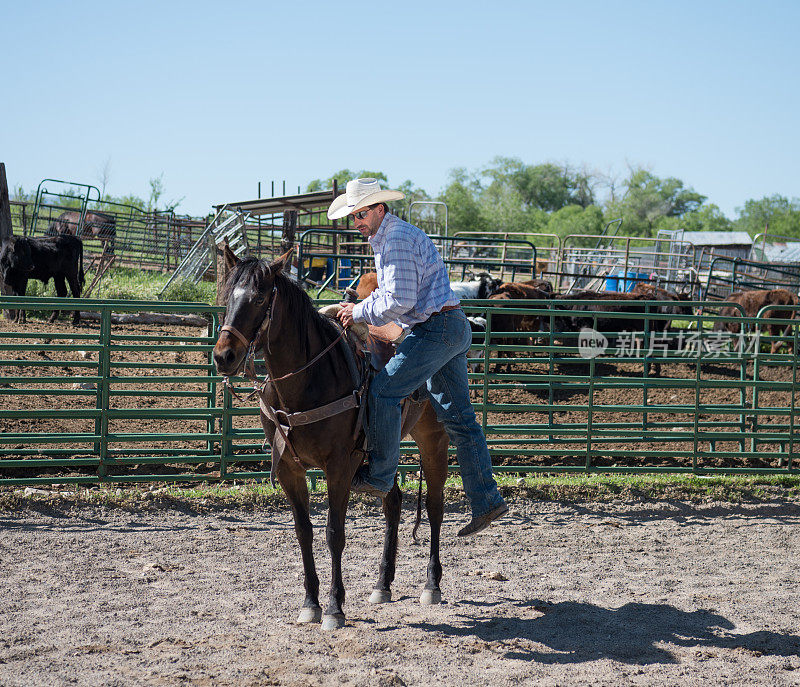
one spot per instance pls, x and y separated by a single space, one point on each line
412 279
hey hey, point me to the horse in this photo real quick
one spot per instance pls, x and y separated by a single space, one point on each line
310 366
98 225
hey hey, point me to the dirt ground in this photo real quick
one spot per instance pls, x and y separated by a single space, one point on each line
556 593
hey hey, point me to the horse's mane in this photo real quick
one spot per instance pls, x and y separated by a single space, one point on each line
255 274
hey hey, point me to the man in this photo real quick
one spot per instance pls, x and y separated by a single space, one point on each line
414 291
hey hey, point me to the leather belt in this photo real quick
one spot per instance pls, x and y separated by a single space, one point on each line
446 308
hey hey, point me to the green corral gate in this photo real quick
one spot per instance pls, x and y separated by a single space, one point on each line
116 401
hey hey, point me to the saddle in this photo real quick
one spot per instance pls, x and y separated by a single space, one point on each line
375 344
379 343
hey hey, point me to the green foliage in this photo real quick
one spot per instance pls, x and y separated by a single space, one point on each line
548 187
647 200
431 218
126 283
463 206
780 214
342 177
705 218
156 192
573 219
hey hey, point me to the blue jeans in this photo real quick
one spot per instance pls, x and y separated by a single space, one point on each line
433 352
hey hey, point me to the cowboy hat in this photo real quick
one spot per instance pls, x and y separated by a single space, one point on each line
359 194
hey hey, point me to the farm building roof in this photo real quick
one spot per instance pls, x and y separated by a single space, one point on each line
783 252
718 238
302 202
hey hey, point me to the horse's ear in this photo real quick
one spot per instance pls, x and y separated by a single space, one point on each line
283 263
230 258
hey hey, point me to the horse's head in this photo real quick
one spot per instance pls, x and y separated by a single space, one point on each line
249 294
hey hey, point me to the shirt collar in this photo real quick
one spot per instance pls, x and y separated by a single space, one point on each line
380 236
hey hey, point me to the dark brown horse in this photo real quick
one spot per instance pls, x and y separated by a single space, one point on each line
99 225
266 308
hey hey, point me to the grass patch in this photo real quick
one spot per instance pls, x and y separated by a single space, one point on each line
250 495
126 283
604 487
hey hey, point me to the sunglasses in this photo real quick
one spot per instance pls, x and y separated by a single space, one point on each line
363 213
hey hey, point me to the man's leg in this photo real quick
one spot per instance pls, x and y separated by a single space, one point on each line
449 394
421 354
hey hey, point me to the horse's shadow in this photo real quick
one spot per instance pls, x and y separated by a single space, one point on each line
575 632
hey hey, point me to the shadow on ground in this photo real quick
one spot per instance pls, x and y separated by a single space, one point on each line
574 632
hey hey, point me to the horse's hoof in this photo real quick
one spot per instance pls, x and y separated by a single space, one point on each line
333 622
311 614
380 596
430 597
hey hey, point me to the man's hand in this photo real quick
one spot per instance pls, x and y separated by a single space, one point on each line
346 314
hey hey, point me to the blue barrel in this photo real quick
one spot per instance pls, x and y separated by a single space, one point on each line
633 278
612 283
344 273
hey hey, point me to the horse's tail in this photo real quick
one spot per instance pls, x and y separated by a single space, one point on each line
419 510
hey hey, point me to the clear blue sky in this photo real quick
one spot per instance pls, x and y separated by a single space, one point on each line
219 96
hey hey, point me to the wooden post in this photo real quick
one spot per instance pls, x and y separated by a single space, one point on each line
5 206
6 230
287 236
221 272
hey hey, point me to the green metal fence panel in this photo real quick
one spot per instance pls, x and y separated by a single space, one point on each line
114 402
728 275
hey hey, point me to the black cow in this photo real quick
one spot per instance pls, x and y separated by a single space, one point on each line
99 225
612 302
57 257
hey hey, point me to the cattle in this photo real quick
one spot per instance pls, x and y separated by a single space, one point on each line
677 307
515 322
480 288
581 313
752 302
590 313
99 225
59 258
541 284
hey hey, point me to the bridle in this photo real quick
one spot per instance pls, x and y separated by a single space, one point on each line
252 345
350 401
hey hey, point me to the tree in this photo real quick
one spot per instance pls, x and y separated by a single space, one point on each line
574 219
463 206
104 176
342 177
648 199
547 187
156 191
427 213
705 218
779 214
